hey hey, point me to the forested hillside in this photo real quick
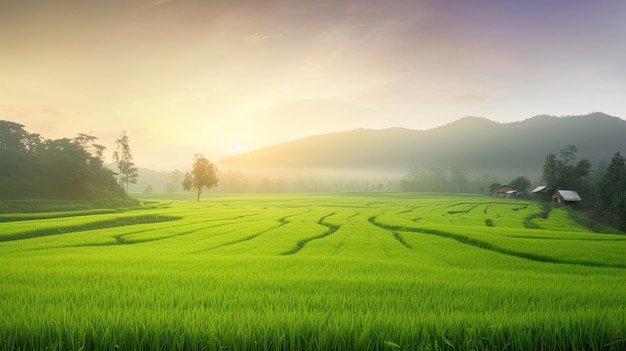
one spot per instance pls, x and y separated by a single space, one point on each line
32 167
470 143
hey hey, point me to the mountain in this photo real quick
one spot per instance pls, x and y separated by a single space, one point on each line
471 143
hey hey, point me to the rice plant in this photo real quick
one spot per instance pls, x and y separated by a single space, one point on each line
313 272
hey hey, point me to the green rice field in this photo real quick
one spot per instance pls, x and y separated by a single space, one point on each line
311 272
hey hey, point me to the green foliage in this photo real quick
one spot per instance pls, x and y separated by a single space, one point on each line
494 186
127 171
13 217
565 172
77 226
32 167
604 190
333 272
584 220
202 175
520 183
612 191
24 206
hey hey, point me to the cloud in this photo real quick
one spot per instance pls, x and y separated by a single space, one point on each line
258 39
209 73
159 2
299 118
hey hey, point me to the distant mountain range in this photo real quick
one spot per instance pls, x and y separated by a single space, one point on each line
471 143
476 145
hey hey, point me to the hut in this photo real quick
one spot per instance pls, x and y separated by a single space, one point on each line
566 197
516 194
542 191
501 191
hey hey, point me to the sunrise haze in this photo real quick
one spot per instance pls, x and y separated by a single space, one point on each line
224 77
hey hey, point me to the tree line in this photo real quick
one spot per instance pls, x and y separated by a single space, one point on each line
603 190
32 167
453 180
73 168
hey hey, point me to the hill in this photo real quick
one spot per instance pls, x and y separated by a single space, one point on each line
32 167
470 143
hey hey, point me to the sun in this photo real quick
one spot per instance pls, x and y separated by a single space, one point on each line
239 147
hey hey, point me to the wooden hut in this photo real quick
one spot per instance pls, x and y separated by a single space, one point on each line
566 197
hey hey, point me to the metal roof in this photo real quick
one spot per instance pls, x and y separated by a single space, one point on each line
569 195
539 188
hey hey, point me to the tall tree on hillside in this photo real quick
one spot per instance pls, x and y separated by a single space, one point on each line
14 138
127 171
88 143
67 168
18 149
612 191
202 175
565 172
551 170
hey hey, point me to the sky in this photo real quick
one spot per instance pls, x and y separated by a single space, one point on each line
221 77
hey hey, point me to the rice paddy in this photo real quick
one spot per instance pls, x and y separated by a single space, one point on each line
311 272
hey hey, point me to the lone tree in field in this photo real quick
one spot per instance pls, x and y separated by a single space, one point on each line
127 171
202 176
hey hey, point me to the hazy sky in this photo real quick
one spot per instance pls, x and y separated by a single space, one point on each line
219 77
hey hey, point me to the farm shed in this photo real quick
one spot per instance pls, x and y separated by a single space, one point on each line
501 191
566 197
518 194
542 191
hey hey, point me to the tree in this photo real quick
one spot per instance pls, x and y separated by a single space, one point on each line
520 183
127 171
612 190
551 168
568 155
14 138
18 149
88 143
565 172
493 186
202 175
67 168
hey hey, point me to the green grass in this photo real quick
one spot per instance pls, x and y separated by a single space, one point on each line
316 272
12 217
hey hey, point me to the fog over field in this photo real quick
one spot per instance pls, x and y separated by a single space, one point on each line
480 150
